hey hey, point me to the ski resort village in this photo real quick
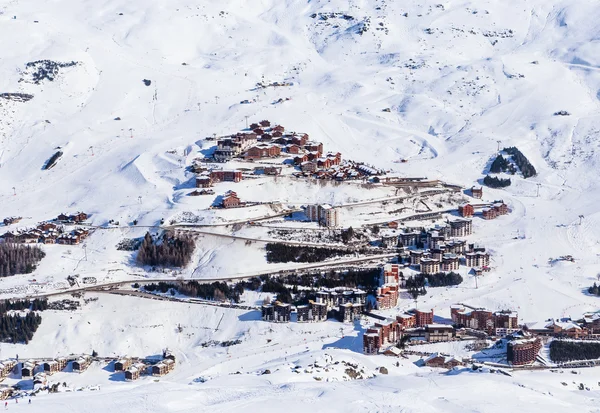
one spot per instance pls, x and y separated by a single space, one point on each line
361 206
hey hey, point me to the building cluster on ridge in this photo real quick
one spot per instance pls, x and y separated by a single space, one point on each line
52 232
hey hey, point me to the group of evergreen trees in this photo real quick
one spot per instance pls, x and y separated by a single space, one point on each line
17 329
500 164
416 283
572 350
220 291
594 290
522 162
19 258
20 305
169 251
494 182
277 252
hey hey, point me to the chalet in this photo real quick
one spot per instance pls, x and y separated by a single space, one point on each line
272 170
163 367
300 159
335 158
323 163
27 238
316 147
48 239
231 200
266 137
28 368
5 391
81 364
134 372
276 134
226 176
308 166
301 139
441 361
263 150
258 131
9 237
477 192
500 207
265 123
6 366
54 366
466 210
254 126
293 149
123 364
278 128
489 213
63 217
79 217
47 226
203 181
438 332
40 379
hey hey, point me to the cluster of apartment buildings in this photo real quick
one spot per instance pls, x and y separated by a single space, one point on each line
435 250
499 323
344 303
324 214
266 141
47 233
134 368
488 211
388 332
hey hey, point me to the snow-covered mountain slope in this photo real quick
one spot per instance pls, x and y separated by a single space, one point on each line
459 78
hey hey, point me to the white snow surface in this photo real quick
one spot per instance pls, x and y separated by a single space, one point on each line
457 76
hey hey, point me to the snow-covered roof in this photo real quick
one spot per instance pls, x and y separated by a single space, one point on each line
436 355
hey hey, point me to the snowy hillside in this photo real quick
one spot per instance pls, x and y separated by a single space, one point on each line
128 92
